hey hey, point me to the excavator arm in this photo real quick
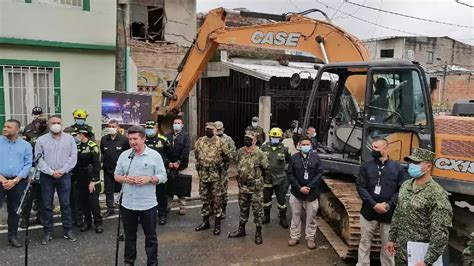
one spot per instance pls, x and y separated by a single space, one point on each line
319 38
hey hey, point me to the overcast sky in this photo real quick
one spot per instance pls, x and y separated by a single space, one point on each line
441 10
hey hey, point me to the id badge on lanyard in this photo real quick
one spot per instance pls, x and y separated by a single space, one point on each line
378 187
305 165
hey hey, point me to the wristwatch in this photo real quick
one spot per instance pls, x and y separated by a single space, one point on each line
16 180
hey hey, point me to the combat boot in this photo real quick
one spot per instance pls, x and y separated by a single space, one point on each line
266 216
217 226
239 232
283 221
258 235
204 225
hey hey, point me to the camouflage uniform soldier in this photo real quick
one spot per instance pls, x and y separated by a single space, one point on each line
469 251
423 213
211 153
225 166
252 167
278 158
257 130
37 129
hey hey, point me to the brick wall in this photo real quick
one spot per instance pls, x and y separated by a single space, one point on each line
458 86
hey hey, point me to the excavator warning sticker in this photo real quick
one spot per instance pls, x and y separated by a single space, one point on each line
280 38
455 165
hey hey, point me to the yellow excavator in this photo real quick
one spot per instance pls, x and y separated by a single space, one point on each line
366 99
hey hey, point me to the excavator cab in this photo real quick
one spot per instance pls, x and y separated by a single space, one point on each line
369 100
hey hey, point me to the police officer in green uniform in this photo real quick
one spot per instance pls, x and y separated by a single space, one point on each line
86 173
80 116
276 181
160 144
38 128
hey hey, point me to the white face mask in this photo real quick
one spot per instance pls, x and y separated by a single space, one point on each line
56 128
112 130
254 124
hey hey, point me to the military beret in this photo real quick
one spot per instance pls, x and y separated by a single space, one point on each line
210 125
420 155
150 124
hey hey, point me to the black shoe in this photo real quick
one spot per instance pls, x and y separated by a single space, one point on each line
46 239
108 212
266 216
258 236
70 236
162 220
283 222
99 229
13 241
24 222
204 225
217 226
85 227
239 232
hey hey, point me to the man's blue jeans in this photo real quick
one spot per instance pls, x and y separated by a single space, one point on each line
63 188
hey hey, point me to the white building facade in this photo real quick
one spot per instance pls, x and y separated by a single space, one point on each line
56 54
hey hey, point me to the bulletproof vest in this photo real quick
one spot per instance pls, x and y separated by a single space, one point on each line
157 143
85 152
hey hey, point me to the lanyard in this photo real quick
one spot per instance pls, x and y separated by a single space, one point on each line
380 167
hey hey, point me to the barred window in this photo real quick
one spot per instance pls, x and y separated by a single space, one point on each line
71 3
25 88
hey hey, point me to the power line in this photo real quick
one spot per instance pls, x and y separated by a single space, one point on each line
459 2
412 17
367 21
335 13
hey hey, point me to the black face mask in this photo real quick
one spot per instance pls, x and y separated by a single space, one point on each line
210 133
247 142
376 154
42 128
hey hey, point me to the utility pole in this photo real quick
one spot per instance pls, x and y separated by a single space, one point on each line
445 72
121 45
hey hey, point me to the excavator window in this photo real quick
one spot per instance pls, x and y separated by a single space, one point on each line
397 98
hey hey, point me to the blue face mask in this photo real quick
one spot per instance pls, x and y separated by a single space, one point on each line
177 127
305 149
80 122
150 132
274 141
415 171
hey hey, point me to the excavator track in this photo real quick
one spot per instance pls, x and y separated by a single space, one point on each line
340 208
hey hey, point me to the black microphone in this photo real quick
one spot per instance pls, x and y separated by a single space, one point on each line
38 157
132 154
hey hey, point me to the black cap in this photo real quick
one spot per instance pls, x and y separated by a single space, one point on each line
150 124
37 110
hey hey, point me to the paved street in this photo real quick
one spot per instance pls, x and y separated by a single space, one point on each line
179 245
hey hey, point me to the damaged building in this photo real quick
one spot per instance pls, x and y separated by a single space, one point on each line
160 32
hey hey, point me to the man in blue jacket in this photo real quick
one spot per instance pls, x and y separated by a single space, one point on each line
378 183
305 175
